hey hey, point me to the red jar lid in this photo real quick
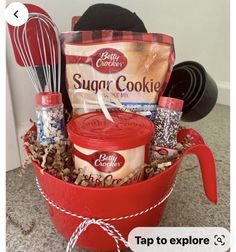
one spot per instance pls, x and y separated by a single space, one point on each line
171 103
94 131
48 99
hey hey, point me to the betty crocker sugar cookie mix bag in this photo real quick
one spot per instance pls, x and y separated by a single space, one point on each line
133 67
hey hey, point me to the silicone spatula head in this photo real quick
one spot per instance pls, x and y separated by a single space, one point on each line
33 41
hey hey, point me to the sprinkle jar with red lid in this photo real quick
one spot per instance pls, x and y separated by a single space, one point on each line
167 119
107 152
50 118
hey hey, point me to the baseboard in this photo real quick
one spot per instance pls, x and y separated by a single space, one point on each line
223 93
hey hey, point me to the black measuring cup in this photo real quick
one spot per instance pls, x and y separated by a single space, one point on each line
190 82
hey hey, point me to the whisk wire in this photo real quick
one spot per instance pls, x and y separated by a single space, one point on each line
29 58
48 48
22 56
42 55
53 60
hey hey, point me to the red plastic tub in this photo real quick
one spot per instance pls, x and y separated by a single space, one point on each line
103 203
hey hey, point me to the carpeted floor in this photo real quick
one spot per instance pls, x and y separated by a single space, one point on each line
30 229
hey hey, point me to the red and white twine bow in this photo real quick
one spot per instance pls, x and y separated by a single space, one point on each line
102 223
108 228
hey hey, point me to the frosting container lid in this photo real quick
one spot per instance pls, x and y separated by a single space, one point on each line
94 131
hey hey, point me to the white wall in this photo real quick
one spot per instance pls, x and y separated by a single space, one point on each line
200 29
12 153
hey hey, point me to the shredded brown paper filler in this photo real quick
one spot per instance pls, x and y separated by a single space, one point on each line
57 160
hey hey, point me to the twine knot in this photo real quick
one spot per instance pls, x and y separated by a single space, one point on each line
107 227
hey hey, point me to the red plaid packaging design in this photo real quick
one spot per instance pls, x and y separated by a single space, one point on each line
133 67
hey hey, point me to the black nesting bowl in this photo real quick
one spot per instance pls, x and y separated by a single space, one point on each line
190 82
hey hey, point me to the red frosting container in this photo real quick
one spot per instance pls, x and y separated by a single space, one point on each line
109 151
121 201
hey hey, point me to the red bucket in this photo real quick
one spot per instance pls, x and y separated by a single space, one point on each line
104 203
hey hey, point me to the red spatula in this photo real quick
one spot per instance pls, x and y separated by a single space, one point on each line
36 46
31 31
